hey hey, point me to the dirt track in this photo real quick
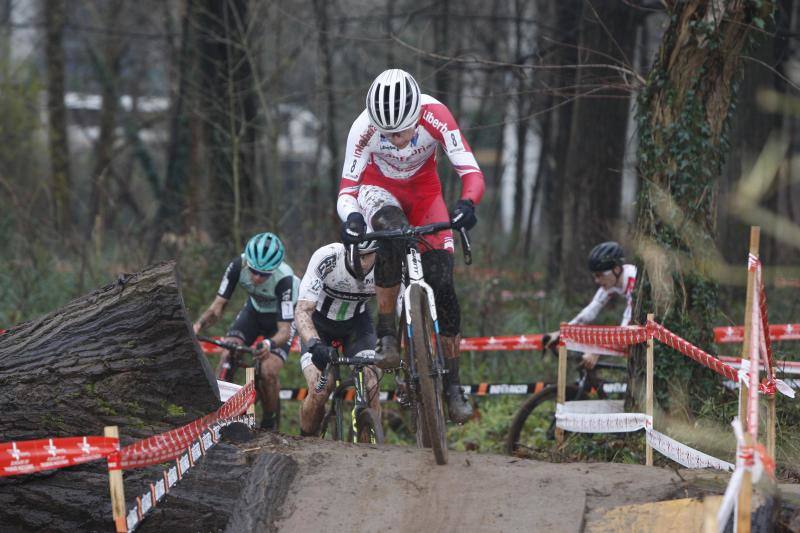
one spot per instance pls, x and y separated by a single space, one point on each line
341 486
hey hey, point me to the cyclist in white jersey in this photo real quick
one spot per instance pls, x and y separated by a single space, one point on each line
332 306
614 277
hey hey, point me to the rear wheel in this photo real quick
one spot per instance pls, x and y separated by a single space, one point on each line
368 427
429 401
533 428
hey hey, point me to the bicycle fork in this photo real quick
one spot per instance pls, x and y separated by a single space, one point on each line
415 276
359 404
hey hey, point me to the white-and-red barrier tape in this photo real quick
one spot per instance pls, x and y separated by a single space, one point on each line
577 418
476 389
777 332
170 476
169 445
748 458
25 457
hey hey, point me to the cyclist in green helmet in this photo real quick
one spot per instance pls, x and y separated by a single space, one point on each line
269 312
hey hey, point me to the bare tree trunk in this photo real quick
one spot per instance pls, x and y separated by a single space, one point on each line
565 17
173 195
108 68
322 17
593 185
55 19
683 118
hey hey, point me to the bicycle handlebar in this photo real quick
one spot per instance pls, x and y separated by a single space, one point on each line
231 346
322 382
408 232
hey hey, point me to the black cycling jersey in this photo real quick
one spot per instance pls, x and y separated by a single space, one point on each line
356 334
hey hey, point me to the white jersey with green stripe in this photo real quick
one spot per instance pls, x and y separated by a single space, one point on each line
328 282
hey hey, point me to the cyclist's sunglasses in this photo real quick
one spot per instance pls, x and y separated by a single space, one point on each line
255 272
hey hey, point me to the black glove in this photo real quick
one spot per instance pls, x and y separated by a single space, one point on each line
463 216
320 354
353 228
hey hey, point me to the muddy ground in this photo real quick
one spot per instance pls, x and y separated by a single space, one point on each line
293 484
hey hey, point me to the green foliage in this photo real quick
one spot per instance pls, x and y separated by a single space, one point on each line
174 410
681 153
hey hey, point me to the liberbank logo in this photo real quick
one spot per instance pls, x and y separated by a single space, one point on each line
435 122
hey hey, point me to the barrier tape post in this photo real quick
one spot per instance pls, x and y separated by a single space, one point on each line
649 392
745 493
115 484
250 375
562 385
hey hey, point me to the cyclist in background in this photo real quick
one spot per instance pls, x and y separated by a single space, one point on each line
390 180
332 306
614 277
269 310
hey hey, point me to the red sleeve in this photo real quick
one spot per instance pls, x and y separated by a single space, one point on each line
439 122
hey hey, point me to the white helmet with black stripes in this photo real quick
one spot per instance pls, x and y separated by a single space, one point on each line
393 101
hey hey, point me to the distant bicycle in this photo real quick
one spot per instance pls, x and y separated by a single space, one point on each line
236 357
423 365
365 422
533 427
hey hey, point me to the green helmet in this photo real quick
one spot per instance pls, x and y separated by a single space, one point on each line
264 252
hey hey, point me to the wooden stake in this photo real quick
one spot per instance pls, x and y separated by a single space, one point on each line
562 386
710 509
115 486
745 493
250 375
649 393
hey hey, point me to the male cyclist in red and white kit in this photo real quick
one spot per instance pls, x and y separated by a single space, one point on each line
390 180
614 277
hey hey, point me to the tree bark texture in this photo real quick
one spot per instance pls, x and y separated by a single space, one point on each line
593 174
683 115
122 355
173 197
229 109
108 69
565 17
55 19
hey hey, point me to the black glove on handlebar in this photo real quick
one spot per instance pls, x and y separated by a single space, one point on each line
320 355
353 228
463 216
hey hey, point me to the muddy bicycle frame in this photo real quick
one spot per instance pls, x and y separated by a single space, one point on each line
355 380
431 427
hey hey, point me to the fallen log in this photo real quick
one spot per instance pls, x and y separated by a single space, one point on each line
122 355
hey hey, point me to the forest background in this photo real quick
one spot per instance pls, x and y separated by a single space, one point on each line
133 132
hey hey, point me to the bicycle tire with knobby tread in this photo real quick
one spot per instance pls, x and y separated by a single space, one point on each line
369 428
547 394
430 383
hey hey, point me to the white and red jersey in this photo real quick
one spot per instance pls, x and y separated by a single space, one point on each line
369 152
624 288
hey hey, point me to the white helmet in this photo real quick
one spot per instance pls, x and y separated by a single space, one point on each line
393 101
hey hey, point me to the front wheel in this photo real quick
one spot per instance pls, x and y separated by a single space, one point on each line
229 373
368 427
333 423
429 399
533 428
